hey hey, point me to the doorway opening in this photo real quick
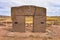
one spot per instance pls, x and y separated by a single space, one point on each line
28 23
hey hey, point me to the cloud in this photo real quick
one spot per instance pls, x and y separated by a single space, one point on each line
53 6
55 1
7 13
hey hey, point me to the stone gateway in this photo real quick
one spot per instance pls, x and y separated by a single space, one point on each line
28 18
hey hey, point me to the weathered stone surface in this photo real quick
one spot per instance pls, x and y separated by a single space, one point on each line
40 11
39 24
19 24
38 14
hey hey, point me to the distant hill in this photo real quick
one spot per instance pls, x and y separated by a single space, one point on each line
5 18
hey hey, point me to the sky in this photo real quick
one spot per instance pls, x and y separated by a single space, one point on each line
52 6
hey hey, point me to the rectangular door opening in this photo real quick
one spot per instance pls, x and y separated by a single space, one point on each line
28 23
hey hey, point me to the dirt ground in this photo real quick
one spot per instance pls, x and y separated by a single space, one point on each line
52 33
